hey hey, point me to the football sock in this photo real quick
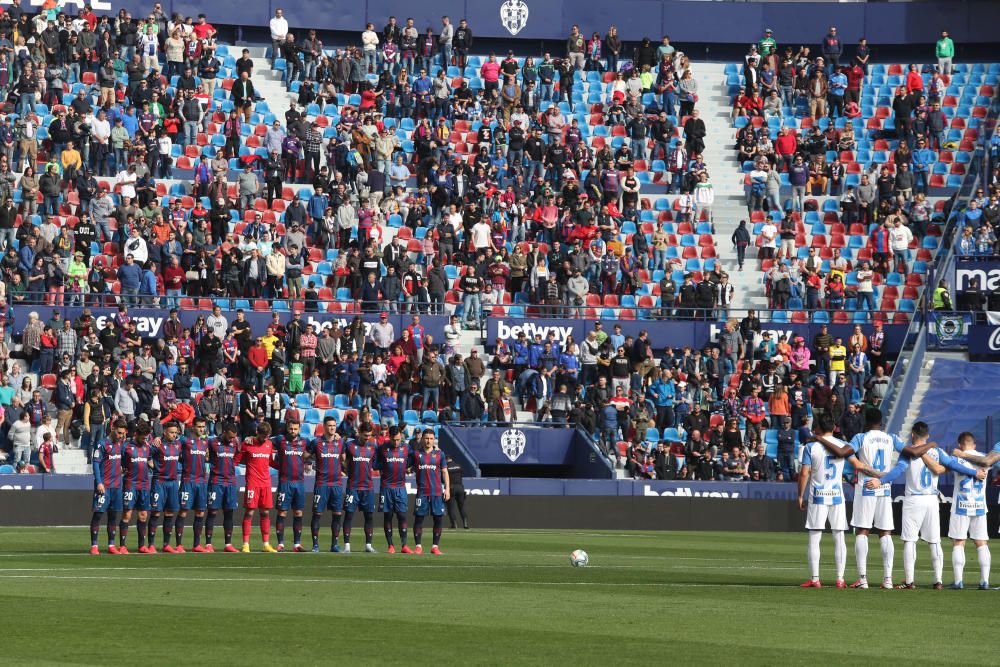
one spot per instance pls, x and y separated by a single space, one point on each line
122 533
840 552
247 522
112 523
209 527
813 553
984 563
314 525
140 527
958 562
95 528
297 529
861 555
348 520
279 528
199 523
335 527
387 527
418 529
401 519
227 525
937 560
265 527
369 527
154 520
168 528
888 554
436 532
178 530
909 561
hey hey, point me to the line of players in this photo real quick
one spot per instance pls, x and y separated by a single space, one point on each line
167 478
821 495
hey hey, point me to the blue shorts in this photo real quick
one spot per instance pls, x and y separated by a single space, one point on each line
393 500
360 499
328 498
109 501
136 499
223 496
166 496
291 495
194 495
429 504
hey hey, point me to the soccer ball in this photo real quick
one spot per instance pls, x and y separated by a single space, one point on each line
579 558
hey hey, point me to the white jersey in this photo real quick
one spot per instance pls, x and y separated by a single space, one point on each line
875 449
969 496
825 473
920 481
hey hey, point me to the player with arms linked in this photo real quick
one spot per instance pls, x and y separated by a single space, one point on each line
136 461
255 453
360 458
968 513
327 455
433 489
222 462
392 461
921 508
194 484
166 453
289 455
870 452
821 496
107 464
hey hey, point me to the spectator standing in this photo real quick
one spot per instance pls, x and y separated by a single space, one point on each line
944 51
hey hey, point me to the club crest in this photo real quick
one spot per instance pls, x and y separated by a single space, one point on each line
512 443
514 15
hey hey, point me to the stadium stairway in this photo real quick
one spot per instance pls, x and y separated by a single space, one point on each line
268 82
727 181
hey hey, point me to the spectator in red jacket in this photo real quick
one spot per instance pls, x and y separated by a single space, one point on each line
257 358
785 146
855 77
914 82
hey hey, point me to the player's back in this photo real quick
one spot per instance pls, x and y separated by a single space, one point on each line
874 449
826 472
920 480
969 496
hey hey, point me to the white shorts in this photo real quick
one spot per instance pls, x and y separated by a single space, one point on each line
817 517
963 527
921 518
872 512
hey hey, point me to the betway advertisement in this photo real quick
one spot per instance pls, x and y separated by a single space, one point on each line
676 334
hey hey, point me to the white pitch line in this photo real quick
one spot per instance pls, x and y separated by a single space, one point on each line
595 584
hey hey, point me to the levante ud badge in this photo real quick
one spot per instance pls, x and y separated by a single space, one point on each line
512 443
514 15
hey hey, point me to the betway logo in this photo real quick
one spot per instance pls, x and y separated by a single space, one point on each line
148 326
715 330
340 322
988 280
530 329
687 492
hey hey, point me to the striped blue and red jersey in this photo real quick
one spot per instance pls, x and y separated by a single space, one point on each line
194 455
135 463
221 459
392 462
290 458
107 463
326 455
167 460
429 468
880 241
361 465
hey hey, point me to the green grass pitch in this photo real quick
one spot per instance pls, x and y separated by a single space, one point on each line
495 597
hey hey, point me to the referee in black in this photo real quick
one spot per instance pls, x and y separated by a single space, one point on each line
457 498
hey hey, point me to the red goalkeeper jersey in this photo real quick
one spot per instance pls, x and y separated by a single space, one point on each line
257 459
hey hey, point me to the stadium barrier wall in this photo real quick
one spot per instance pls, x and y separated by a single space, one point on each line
65 500
967 21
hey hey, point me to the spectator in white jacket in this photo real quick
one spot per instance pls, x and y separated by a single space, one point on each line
704 197
900 238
